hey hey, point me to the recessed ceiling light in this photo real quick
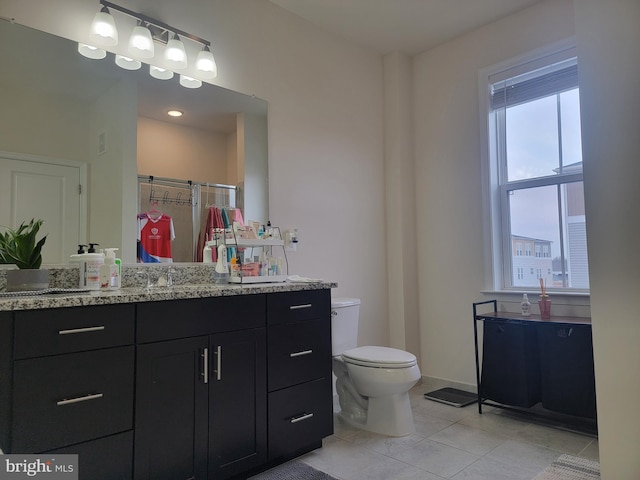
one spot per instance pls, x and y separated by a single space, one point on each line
174 113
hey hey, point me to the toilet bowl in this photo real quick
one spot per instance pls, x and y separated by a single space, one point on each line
372 382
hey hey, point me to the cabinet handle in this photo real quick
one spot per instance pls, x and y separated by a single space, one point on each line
298 307
299 354
205 363
304 416
80 330
219 362
68 401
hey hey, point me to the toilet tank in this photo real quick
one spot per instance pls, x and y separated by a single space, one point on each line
344 324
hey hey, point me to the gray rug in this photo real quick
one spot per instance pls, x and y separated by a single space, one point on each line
568 467
293 470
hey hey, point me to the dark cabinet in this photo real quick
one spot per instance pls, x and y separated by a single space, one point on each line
300 374
171 410
67 386
204 396
189 389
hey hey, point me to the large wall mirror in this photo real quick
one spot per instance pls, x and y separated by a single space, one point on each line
67 121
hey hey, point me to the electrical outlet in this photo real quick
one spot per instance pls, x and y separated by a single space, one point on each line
291 240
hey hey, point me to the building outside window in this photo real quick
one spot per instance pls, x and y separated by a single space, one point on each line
535 165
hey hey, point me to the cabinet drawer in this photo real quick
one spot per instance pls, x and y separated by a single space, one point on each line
158 321
108 458
67 399
299 417
297 306
66 330
299 352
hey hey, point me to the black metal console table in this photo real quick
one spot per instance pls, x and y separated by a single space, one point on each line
529 362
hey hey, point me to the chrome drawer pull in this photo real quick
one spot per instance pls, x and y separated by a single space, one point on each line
91 396
305 416
298 307
81 330
205 360
299 354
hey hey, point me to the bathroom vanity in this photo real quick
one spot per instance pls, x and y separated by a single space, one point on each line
191 382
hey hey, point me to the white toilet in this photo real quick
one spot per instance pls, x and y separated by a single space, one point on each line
372 382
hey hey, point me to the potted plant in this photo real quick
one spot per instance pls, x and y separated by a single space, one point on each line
19 247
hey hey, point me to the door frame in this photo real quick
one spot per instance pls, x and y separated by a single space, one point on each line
82 166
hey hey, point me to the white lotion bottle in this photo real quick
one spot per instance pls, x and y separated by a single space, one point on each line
111 269
525 305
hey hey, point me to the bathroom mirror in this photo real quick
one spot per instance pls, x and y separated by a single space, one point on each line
60 107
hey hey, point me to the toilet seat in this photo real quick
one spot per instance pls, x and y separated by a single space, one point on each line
379 357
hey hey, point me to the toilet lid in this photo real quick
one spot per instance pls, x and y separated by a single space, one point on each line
379 357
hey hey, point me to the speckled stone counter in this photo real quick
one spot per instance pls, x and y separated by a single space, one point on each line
189 281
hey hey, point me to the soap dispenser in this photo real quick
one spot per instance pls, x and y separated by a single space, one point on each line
221 272
110 271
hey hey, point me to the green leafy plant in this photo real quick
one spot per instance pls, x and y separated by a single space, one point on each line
19 246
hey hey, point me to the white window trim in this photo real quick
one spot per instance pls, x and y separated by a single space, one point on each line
493 272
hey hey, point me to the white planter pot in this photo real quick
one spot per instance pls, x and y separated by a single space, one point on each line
24 280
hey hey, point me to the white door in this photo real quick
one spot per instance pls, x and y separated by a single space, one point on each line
36 189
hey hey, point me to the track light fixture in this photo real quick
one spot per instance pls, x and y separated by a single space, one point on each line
141 46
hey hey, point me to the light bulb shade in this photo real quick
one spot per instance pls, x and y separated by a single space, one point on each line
90 51
174 54
103 29
127 63
160 73
189 82
141 43
206 65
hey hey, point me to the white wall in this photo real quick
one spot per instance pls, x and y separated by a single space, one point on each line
326 168
608 38
448 178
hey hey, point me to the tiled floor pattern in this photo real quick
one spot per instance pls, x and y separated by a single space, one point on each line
452 443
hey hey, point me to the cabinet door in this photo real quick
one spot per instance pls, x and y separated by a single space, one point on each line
171 410
237 402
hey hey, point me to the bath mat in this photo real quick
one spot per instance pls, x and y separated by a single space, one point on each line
452 396
293 470
568 467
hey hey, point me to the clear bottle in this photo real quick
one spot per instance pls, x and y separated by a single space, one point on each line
525 305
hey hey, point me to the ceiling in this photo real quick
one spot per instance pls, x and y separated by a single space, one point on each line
407 26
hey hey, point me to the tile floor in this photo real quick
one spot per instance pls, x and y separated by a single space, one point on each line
452 443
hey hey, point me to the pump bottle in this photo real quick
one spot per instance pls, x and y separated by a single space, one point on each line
110 271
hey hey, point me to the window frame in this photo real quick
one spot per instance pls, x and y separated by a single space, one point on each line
498 273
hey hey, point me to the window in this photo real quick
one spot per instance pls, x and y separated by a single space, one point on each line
535 165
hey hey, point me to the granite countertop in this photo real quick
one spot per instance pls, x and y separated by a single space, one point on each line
190 280
138 294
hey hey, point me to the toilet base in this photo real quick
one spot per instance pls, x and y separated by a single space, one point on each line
389 415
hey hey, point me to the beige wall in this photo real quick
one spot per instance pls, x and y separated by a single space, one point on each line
608 38
450 222
53 132
184 153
